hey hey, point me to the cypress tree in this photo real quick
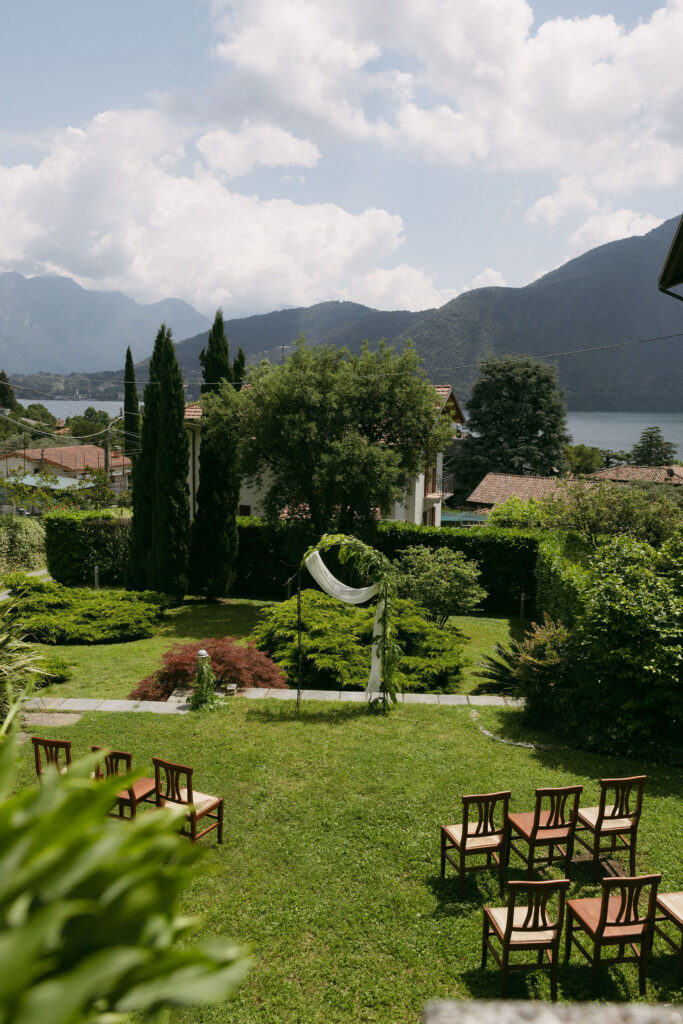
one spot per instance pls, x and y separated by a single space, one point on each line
214 530
131 409
171 519
215 359
143 481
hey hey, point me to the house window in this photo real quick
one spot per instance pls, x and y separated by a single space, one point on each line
245 510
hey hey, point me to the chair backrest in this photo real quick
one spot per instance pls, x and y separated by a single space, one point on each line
621 798
533 898
50 752
485 815
628 902
562 806
116 762
170 780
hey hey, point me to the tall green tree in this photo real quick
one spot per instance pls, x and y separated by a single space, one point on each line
171 502
215 359
335 438
213 548
7 397
517 423
143 481
652 450
131 408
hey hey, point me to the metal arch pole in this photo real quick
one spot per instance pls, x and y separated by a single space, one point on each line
298 617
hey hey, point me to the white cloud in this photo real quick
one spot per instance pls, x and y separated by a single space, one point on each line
582 98
609 226
109 207
402 287
237 153
570 195
488 278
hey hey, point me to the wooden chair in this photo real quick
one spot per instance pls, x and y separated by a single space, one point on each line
617 918
551 823
173 785
480 834
526 924
120 762
51 753
616 817
669 910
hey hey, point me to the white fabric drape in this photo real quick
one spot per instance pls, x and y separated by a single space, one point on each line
353 595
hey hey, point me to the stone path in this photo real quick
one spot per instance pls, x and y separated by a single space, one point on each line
178 705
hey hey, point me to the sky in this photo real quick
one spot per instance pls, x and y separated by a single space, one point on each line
263 154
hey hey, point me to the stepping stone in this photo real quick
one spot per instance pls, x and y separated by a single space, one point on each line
45 719
282 694
118 705
320 694
44 703
255 692
452 698
354 696
490 700
157 707
420 698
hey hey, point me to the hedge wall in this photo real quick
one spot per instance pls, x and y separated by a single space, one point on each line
268 555
22 544
76 542
562 576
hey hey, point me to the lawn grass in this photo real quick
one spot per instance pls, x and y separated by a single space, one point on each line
111 671
330 866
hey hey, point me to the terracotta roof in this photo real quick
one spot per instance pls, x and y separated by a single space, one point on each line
644 474
73 457
193 411
496 488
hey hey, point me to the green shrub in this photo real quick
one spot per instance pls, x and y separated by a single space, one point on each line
22 543
76 542
613 681
268 555
336 643
49 613
442 582
506 558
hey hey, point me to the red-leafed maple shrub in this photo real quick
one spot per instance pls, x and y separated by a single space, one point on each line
231 663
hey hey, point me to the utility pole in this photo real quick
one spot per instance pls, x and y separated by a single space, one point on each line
106 451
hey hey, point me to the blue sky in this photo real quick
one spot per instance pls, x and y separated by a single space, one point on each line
268 153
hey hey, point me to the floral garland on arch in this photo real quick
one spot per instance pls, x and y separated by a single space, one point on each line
376 568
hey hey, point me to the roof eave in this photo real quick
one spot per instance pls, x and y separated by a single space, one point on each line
672 272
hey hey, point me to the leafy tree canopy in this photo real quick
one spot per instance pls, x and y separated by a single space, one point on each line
336 437
93 421
517 423
652 449
37 411
442 581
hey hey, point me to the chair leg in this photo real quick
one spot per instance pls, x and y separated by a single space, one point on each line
554 957
642 965
461 872
220 823
596 969
504 973
484 937
569 858
568 934
632 852
596 856
530 864
501 873
443 853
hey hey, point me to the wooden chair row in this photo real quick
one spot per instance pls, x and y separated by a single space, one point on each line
624 916
556 823
171 786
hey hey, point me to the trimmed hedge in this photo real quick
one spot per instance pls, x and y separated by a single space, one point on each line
76 542
22 544
268 555
563 576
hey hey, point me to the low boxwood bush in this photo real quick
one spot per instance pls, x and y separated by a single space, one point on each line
53 669
52 614
22 543
336 643
231 662
76 542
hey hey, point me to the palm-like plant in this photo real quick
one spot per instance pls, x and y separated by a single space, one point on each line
19 666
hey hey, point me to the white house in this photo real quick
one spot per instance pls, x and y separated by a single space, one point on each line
423 497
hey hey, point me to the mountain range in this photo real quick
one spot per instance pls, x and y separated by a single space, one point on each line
598 311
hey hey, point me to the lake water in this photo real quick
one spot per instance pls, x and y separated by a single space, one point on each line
616 430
